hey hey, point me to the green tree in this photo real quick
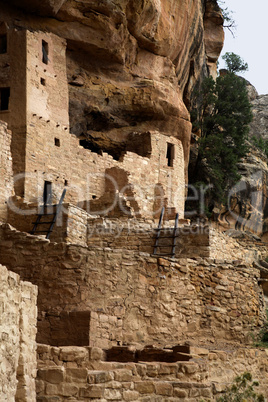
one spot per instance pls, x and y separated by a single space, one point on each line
228 19
242 390
223 120
234 63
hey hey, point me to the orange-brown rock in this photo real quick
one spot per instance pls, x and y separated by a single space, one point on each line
131 65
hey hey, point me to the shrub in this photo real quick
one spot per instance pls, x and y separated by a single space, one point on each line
242 390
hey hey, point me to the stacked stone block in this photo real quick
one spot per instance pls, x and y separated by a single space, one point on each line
153 299
18 330
84 374
6 172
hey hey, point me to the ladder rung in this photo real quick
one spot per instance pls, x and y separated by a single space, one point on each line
42 223
163 246
44 208
166 237
164 254
43 231
46 214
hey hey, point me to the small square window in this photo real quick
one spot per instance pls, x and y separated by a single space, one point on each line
170 154
42 81
3 44
4 98
57 142
44 52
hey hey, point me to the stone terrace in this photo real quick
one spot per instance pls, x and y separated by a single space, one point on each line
76 226
125 296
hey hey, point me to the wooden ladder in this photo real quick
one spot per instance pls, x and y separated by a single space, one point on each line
45 213
158 237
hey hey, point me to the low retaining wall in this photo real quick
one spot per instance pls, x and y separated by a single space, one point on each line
83 374
135 297
76 226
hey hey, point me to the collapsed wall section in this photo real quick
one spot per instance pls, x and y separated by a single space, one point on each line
18 331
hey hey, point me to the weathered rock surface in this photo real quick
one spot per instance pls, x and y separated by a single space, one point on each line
131 65
259 126
46 7
248 209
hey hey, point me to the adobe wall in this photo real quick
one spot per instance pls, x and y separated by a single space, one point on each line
77 372
158 300
6 172
18 331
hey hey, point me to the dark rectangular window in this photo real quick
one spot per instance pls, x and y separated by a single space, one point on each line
170 154
4 98
47 196
57 142
3 44
44 52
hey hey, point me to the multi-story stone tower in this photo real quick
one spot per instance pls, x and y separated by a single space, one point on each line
34 103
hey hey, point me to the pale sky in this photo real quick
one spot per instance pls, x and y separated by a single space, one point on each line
250 41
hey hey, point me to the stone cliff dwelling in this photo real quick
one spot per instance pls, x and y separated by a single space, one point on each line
101 311
35 103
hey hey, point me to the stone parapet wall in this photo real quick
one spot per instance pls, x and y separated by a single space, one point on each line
157 299
75 225
17 331
191 242
84 373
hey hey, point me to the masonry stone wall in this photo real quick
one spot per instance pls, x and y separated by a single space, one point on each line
158 300
191 241
85 373
75 225
18 330
6 172
13 76
70 226
99 183
44 150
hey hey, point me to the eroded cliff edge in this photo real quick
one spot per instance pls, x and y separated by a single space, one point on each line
132 65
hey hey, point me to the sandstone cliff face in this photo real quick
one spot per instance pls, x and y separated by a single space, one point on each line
259 126
131 64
